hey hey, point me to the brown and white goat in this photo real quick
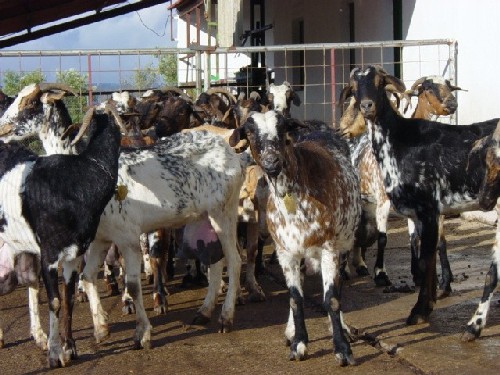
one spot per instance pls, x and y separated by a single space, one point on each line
312 212
435 97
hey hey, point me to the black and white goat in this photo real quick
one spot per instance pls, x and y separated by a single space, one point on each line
424 167
51 207
313 211
489 195
178 180
376 205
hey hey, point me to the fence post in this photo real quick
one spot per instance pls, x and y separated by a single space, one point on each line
89 79
198 73
332 87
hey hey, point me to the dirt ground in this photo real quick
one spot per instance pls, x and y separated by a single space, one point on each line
257 343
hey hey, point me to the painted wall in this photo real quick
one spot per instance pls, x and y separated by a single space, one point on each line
476 27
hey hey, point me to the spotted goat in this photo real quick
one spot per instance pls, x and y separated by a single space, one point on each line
489 195
424 166
313 211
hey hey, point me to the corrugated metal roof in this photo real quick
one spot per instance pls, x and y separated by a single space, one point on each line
24 20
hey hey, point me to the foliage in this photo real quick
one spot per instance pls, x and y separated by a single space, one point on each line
167 67
13 82
78 82
142 79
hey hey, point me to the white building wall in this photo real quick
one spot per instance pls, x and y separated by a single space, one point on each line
476 27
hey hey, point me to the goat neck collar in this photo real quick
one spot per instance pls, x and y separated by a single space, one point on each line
102 167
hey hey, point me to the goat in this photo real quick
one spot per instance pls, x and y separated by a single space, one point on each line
435 97
51 207
281 97
489 195
423 164
169 184
376 204
215 107
312 212
251 213
5 102
22 269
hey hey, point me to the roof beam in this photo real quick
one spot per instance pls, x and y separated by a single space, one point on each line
82 21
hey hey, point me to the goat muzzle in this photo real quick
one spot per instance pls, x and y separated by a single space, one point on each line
367 107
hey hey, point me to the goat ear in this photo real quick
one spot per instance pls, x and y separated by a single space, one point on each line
292 124
344 94
295 99
456 88
395 83
236 136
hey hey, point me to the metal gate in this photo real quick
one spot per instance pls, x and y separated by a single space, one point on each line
317 72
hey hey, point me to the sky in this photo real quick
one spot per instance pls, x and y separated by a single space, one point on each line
146 28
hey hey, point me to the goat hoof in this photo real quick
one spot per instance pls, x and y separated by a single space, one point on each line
101 335
160 309
113 289
382 279
55 363
128 307
256 296
69 349
82 297
2 344
470 334
225 328
138 345
362 271
442 294
200 320
298 351
345 359
415 319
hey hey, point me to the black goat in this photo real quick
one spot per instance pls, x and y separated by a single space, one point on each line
424 167
51 206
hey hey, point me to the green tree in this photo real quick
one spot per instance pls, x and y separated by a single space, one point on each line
167 67
78 82
13 82
142 79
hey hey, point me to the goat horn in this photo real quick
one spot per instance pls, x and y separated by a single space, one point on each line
85 124
496 133
177 90
57 86
228 95
6 129
69 129
417 83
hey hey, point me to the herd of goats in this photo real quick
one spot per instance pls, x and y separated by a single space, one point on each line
209 177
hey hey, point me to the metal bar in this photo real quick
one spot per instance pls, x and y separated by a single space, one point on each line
332 87
277 48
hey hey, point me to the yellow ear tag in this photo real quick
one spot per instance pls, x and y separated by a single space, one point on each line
121 192
290 204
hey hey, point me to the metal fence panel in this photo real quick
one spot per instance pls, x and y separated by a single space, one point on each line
317 72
